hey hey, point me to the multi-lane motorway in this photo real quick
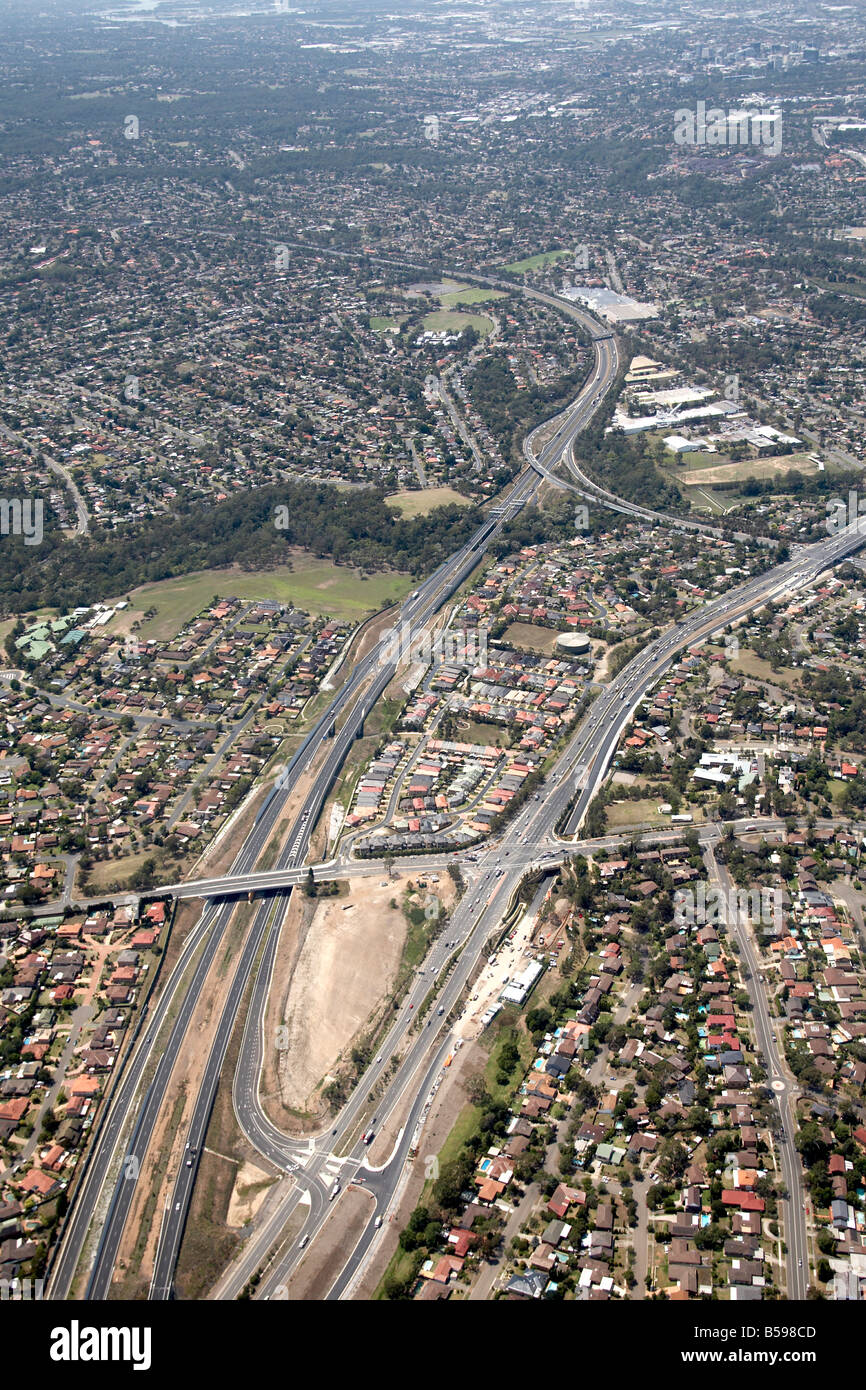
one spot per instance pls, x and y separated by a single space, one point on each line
119 1155
109 1162
528 838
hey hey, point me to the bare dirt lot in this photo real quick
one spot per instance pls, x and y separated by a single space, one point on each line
250 1189
348 962
537 639
338 962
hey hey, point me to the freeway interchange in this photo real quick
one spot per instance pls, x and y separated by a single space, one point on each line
119 1150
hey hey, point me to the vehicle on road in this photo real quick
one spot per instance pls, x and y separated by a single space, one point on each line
377 1223
305 1240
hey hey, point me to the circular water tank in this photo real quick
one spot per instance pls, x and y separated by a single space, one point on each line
573 643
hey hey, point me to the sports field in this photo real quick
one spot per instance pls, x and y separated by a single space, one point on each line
315 585
468 295
704 469
451 321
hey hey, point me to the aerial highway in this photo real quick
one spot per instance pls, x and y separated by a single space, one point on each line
351 705
497 874
572 783
371 678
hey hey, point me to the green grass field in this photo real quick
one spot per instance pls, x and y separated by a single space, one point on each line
490 735
419 503
451 321
391 325
318 586
749 664
720 469
696 458
622 814
534 262
467 295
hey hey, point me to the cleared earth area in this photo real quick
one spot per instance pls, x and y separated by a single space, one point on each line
348 961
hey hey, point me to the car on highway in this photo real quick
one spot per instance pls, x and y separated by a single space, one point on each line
305 1240
377 1223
